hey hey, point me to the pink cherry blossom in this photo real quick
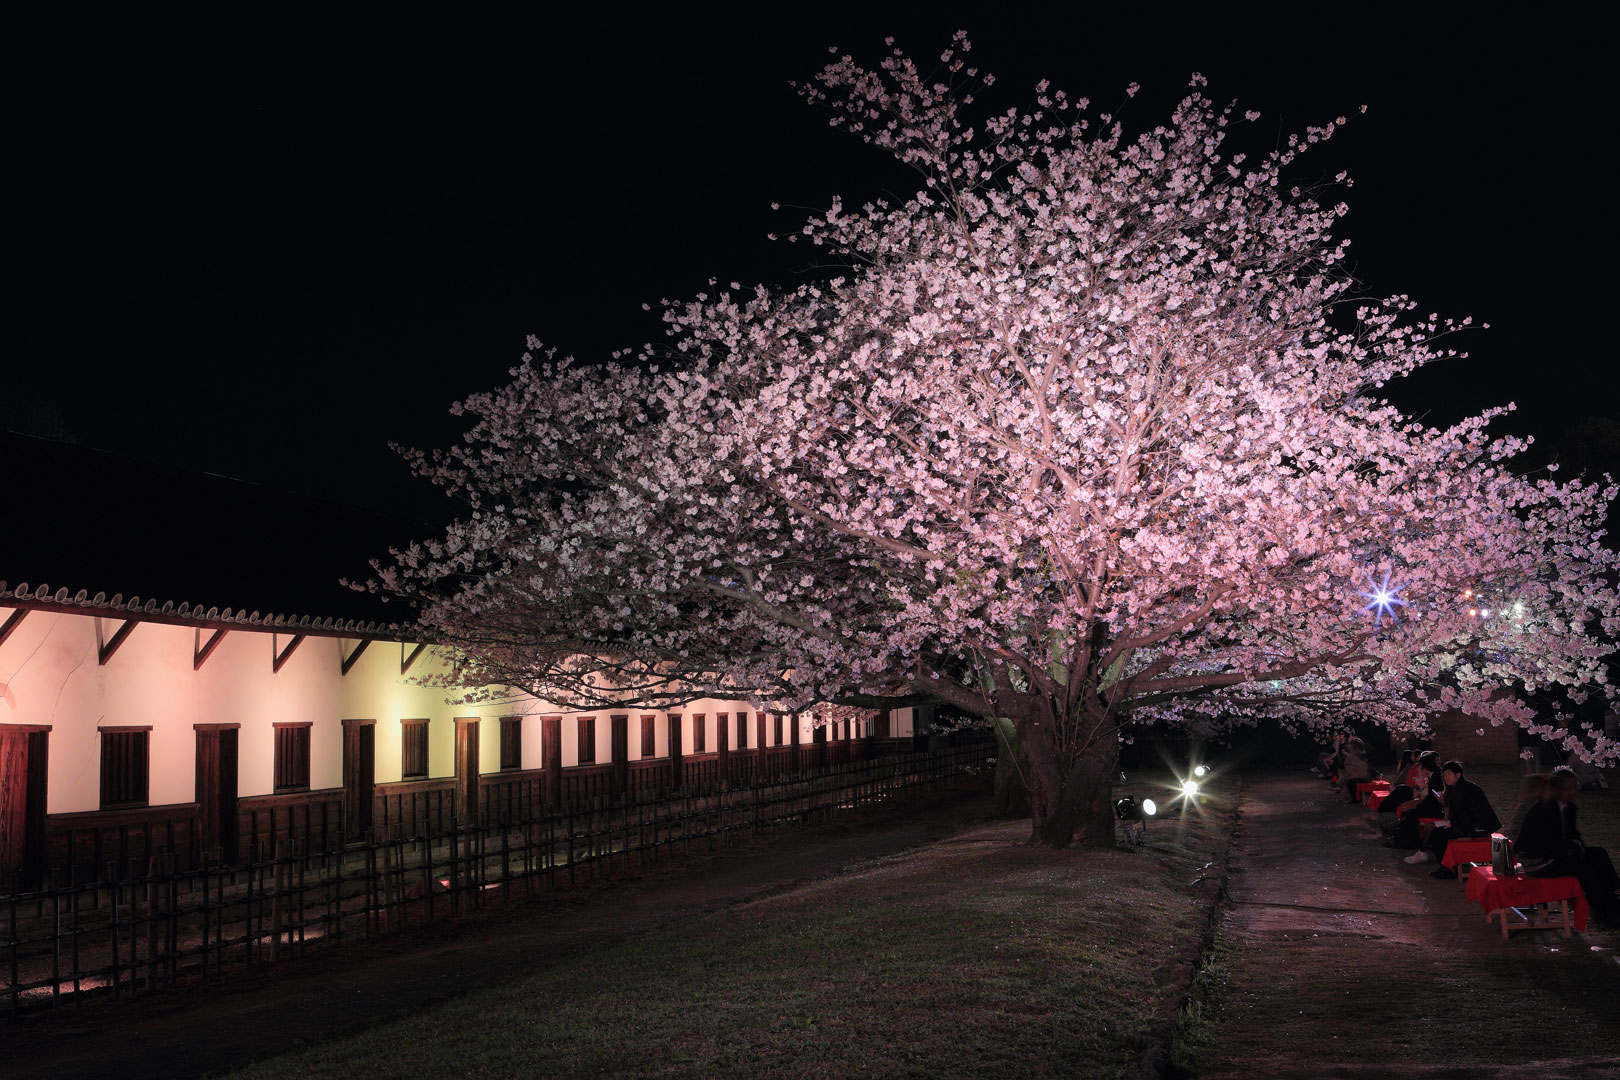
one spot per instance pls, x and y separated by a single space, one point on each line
1086 433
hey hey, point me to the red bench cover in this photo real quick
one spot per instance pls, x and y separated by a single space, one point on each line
1461 851
1492 892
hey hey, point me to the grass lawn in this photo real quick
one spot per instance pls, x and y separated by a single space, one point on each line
976 956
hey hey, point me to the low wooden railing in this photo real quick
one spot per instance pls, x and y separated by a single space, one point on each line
151 925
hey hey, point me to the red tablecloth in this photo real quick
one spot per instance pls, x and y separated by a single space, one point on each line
1366 791
1461 851
1492 892
1376 799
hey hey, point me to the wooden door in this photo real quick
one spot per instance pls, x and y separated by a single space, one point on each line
359 777
23 771
621 753
722 745
551 754
215 790
467 769
675 767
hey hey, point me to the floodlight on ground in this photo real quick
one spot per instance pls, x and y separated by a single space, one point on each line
1135 816
1201 772
1189 788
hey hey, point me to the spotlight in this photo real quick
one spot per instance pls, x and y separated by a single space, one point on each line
1189 788
1135 816
1201 772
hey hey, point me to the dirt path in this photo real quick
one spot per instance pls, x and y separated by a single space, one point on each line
1336 959
259 1012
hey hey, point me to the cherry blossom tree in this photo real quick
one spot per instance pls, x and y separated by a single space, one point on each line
1084 435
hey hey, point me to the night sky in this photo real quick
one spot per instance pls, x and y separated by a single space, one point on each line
264 246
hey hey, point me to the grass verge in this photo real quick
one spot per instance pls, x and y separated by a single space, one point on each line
978 956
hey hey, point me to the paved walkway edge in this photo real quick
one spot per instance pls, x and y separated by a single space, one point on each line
1158 1061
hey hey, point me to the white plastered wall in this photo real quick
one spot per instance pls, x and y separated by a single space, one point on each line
49 675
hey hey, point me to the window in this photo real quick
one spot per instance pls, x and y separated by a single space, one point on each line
511 743
413 749
742 731
777 721
292 757
587 740
649 739
699 731
125 758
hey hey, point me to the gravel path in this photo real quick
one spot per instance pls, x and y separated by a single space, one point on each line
1336 959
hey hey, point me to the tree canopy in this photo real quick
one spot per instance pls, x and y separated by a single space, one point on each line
1085 433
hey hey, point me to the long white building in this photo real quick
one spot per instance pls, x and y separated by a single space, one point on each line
129 728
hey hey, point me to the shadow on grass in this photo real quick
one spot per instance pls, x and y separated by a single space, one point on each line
976 956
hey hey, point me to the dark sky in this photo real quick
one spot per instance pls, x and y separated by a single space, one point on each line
264 245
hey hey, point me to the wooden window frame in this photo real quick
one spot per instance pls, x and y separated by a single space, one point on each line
407 731
649 736
511 743
700 731
145 755
586 738
776 723
742 732
283 781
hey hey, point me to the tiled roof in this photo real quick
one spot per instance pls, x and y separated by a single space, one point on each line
42 598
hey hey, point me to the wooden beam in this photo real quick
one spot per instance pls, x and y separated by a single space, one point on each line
282 656
202 650
348 661
11 623
405 662
110 646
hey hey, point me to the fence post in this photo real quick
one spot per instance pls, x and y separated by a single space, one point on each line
153 900
386 917
278 901
56 936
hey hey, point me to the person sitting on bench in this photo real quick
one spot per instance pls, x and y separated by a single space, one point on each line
1468 815
1355 770
1408 776
1329 768
1550 845
1423 803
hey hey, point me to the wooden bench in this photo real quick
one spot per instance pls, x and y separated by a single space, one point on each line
1501 897
1465 855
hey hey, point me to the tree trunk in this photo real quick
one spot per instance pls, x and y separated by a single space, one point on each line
1012 794
1076 804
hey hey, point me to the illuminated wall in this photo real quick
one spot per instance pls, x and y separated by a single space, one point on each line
49 675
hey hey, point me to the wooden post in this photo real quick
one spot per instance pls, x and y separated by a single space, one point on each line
278 899
153 899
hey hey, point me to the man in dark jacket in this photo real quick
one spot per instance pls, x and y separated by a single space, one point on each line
1468 815
1551 846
